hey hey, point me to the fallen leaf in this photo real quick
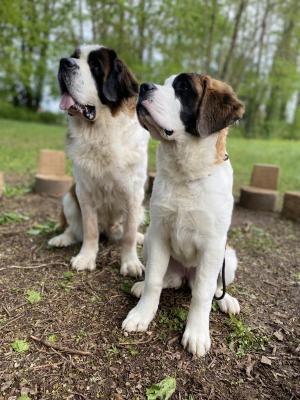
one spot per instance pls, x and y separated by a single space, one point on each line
278 335
265 360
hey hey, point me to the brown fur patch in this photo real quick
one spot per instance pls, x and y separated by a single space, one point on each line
219 107
120 80
221 146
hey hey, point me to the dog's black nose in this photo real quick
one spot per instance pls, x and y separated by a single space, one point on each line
146 87
68 63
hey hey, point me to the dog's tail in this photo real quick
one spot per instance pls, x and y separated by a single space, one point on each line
231 263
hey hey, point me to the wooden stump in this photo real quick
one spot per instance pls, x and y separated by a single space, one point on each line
51 178
291 205
265 176
53 185
51 162
1 184
258 199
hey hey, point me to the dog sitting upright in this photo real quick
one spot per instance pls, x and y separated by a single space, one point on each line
108 148
192 201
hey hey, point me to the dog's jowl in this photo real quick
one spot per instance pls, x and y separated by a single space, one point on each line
108 149
192 201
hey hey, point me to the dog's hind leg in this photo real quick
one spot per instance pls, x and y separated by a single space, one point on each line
71 216
228 304
172 279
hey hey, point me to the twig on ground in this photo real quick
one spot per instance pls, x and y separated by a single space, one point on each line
12 320
59 348
136 343
34 266
6 310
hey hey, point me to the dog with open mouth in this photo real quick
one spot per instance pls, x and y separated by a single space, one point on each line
191 203
108 149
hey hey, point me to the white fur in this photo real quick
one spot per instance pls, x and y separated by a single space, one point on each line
109 159
191 207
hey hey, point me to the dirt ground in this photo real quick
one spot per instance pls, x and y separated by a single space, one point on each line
254 357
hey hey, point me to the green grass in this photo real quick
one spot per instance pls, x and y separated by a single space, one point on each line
20 143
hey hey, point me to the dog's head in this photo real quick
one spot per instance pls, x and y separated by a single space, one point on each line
187 104
93 77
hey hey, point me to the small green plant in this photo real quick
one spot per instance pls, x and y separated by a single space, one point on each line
162 390
52 338
66 285
113 350
15 191
24 397
10 217
32 296
297 276
49 226
20 346
214 306
68 275
242 339
133 352
126 286
82 334
174 319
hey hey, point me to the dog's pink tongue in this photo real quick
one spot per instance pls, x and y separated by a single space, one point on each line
66 102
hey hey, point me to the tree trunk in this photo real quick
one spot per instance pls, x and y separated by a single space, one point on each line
237 20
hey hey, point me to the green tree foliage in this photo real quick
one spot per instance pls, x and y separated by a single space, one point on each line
252 44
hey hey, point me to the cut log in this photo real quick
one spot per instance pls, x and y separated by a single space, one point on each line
1 184
265 176
291 205
53 185
258 199
51 162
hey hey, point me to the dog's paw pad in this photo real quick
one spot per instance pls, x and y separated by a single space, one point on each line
136 321
83 263
229 304
138 288
132 268
196 342
140 238
62 240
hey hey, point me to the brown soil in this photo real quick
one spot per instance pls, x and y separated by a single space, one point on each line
85 313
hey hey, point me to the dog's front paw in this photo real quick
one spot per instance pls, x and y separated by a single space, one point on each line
83 262
229 304
140 238
138 288
196 342
62 240
132 267
137 320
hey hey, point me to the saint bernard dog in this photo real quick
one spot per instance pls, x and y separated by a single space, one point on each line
191 203
108 149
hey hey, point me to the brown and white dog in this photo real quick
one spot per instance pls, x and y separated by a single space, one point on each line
108 148
191 203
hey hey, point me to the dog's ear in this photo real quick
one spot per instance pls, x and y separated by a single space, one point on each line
219 107
120 83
